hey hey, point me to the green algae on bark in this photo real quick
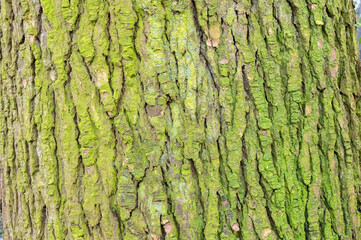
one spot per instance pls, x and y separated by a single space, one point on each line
188 119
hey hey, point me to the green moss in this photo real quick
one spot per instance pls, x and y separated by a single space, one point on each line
179 119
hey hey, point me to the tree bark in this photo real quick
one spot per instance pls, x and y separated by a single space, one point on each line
180 119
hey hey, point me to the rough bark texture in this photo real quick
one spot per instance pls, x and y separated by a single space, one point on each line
180 119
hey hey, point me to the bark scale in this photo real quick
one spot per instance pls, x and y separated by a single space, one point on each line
188 119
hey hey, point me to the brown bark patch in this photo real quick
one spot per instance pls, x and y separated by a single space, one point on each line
306 137
333 54
223 61
334 71
212 42
355 220
235 227
314 6
155 110
102 76
154 236
168 228
319 43
291 62
266 232
316 191
165 221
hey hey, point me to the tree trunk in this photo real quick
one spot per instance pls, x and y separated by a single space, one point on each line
180 119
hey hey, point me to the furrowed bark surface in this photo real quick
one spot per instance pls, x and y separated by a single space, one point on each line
188 119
